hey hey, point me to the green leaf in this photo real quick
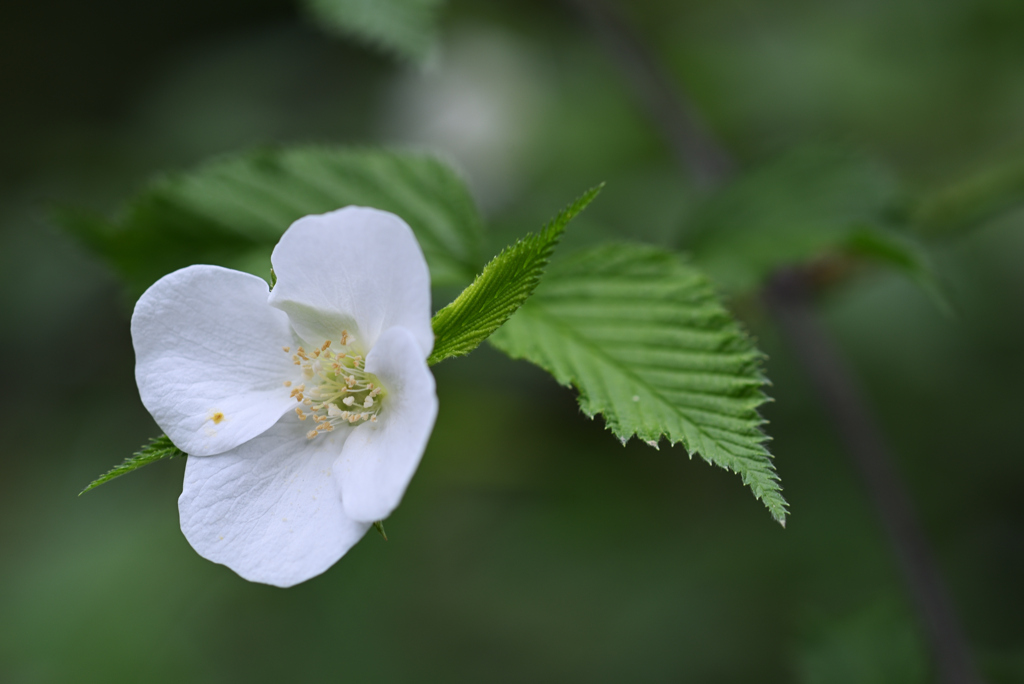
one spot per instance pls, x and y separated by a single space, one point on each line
786 213
406 28
501 288
156 449
643 337
232 211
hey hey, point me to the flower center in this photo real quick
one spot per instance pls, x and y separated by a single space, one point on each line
337 388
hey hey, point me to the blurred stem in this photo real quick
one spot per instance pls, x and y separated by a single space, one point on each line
695 150
788 295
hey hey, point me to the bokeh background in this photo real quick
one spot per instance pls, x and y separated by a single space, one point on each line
531 545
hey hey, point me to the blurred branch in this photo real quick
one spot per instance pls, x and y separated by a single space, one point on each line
960 207
788 296
694 148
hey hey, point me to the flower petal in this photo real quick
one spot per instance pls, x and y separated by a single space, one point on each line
270 509
355 269
208 358
379 459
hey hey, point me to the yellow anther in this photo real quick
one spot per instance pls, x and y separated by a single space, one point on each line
286 349
287 383
311 434
326 345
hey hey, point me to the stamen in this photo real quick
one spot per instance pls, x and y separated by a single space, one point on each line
339 380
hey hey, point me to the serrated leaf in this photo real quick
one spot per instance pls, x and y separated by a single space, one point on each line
406 28
786 213
643 337
156 449
232 211
501 288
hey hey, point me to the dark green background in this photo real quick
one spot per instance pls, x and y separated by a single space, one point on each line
531 546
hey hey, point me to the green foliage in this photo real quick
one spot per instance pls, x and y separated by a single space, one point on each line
646 342
501 288
787 212
233 210
406 28
156 449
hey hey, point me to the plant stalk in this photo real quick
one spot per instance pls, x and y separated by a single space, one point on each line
788 296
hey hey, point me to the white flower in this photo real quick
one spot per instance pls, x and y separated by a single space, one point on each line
305 410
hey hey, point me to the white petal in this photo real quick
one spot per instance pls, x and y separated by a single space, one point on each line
270 509
379 459
355 269
208 358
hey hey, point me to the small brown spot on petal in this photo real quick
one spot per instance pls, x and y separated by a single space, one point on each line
217 418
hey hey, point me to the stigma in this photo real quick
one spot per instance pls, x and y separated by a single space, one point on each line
336 389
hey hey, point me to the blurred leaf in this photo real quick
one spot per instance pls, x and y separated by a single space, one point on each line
901 253
501 288
157 448
407 28
233 210
876 645
973 201
786 213
643 337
